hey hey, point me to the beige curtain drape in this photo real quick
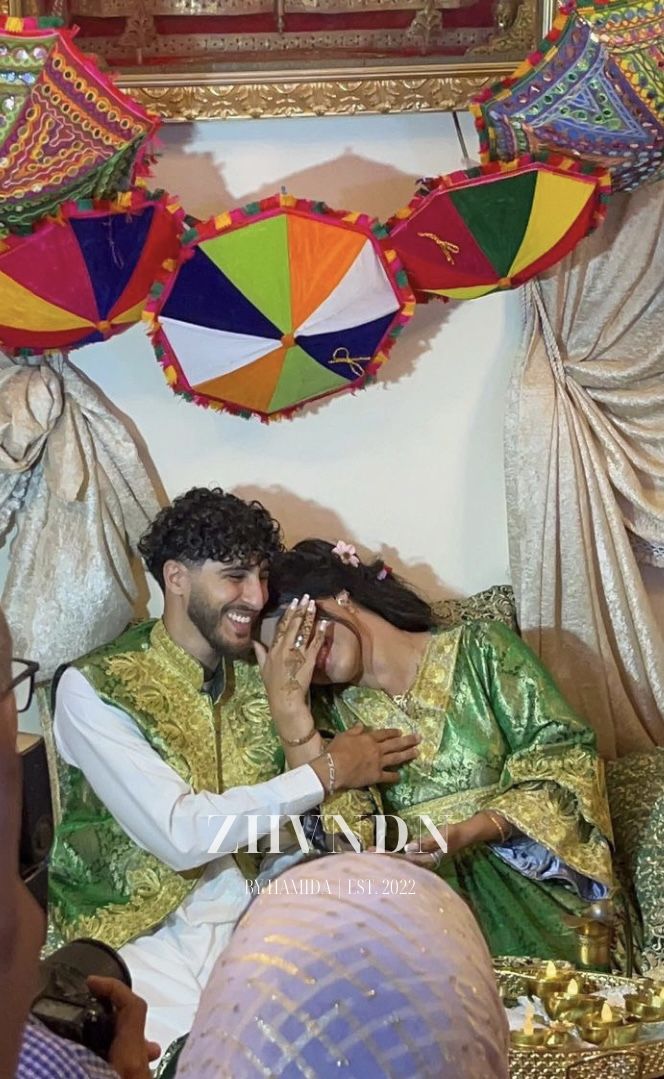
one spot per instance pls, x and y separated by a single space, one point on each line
584 451
72 481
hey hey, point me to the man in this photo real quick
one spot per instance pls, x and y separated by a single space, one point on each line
163 737
27 1049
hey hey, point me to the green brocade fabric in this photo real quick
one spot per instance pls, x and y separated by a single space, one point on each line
495 604
518 916
636 795
102 884
496 734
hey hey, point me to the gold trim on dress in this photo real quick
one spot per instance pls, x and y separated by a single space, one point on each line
422 709
118 923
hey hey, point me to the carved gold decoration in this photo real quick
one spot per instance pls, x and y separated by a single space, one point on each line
519 31
505 12
140 32
207 86
199 100
119 8
215 48
426 26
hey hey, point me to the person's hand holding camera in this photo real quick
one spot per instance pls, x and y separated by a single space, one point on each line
130 1054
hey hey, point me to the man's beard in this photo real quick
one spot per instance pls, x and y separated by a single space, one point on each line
207 620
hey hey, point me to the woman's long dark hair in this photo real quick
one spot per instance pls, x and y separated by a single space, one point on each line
312 567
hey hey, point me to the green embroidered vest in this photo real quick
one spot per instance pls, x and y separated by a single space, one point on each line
102 884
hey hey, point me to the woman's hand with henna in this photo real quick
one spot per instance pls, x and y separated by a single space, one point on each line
288 667
481 828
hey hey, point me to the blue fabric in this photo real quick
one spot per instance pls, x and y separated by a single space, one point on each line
204 296
46 1056
111 247
535 861
361 342
91 339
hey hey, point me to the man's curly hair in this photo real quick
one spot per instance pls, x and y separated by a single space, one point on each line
210 523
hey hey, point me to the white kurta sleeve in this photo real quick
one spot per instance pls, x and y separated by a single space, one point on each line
149 800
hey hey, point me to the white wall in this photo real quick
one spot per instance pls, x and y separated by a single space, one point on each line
411 467
414 463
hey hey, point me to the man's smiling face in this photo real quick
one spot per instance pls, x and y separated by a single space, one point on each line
225 601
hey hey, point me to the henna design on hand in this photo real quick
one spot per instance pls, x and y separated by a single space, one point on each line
293 666
304 636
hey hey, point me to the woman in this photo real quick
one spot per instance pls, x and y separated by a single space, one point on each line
328 974
504 762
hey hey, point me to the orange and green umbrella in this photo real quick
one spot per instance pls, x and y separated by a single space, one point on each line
495 226
277 304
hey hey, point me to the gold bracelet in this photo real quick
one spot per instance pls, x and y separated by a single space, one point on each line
331 772
299 741
504 835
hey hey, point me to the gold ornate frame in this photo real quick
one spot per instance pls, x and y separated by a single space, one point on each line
426 85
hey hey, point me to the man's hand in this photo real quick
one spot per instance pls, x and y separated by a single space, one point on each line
363 757
130 1054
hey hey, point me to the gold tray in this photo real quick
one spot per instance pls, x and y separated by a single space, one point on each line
642 1060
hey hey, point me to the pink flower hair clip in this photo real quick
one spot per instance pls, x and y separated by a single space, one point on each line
347 553
384 573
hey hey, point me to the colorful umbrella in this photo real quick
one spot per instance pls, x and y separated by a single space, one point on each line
495 226
84 275
66 132
594 89
277 304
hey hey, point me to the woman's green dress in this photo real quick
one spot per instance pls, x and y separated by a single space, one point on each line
498 735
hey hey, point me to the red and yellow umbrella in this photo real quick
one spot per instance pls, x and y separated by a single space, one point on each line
84 275
495 226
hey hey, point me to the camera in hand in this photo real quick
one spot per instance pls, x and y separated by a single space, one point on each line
65 1004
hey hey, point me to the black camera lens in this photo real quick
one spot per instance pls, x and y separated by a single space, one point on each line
64 1002
90 957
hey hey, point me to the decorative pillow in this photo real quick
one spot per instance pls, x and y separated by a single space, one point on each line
495 604
636 797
